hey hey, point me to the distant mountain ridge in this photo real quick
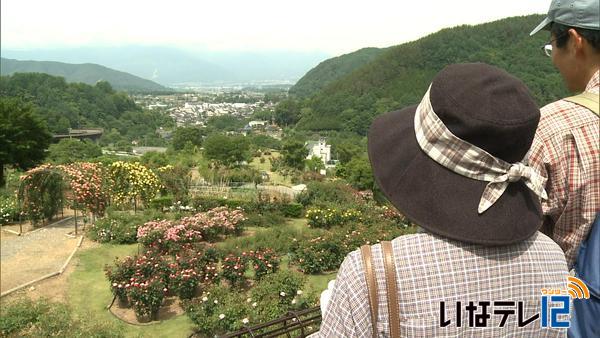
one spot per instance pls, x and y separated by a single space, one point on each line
87 73
172 66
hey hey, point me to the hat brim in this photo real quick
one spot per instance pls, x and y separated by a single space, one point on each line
440 200
545 24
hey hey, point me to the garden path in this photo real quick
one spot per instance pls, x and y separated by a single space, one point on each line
35 254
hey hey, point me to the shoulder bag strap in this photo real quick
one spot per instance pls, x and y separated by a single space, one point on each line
392 289
586 99
367 258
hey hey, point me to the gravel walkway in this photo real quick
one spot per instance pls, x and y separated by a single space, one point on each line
35 254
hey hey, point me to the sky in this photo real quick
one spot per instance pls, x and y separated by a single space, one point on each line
332 26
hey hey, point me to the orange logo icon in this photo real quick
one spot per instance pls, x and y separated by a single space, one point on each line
577 289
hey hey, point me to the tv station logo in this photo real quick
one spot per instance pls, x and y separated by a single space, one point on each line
555 304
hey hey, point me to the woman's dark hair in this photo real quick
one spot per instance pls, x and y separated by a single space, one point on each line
591 35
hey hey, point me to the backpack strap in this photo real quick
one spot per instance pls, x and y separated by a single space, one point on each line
587 100
367 258
392 289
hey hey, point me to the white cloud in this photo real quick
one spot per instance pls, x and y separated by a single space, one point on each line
334 26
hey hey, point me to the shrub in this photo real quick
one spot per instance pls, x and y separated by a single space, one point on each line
264 219
264 261
119 276
146 295
327 193
323 253
218 311
326 252
120 227
233 269
161 203
9 208
279 238
42 318
193 266
326 218
276 294
291 209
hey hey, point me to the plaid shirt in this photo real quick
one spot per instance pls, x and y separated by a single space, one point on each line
566 150
431 269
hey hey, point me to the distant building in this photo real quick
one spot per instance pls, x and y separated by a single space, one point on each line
319 149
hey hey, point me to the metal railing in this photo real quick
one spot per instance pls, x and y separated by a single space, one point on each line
295 324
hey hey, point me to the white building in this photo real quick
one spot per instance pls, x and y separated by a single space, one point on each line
319 149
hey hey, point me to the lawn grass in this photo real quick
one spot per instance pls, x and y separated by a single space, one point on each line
89 292
275 178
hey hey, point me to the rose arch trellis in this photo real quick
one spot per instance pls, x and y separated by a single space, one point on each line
87 187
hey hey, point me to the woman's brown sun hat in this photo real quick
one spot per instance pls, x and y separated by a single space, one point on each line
482 105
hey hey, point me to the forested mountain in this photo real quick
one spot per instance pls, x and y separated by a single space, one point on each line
86 73
333 69
400 76
77 105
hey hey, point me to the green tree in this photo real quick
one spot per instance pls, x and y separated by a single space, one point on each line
154 159
63 125
315 164
73 150
358 173
346 151
24 137
227 150
287 112
225 123
264 142
184 135
294 153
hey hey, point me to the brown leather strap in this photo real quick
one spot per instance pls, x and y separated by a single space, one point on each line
365 251
392 289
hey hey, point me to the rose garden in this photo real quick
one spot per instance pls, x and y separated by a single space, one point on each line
227 262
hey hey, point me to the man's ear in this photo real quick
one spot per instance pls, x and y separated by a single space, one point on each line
576 41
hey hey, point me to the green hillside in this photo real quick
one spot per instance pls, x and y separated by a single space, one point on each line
333 69
77 105
400 76
88 73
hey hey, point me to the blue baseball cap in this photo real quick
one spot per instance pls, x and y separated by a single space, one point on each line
572 13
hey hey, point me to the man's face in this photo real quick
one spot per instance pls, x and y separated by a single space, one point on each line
567 64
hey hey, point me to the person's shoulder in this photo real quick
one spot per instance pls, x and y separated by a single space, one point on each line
562 115
543 244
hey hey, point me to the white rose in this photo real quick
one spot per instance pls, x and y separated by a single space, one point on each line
221 316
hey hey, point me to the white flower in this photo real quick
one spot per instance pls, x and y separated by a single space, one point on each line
221 316
299 292
204 299
245 320
294 301
282 294
216 301
254 304
248 300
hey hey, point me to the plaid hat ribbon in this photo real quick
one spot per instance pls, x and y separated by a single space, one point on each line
468 160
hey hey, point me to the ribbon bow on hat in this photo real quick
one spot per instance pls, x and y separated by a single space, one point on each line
468 160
